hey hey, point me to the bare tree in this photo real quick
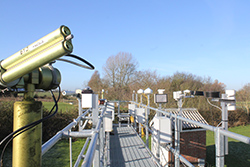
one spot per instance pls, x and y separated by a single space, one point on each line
243 97
119 69
215 86
118 73
144 79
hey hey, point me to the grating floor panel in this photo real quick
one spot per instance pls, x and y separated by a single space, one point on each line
126 149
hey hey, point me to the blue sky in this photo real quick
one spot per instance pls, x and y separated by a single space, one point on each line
202 37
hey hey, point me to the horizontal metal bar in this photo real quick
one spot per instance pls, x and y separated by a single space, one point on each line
236 136
86 118
233 135
116 101
82 134
205 126
50 143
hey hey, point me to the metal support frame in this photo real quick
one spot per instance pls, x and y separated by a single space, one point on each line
224 117
80 156
80 111
107 149
89 158
177 142
119 113
70 150
178 128
219 133
146 120
50 143
91 153
219 145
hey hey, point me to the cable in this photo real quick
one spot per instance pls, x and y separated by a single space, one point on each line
214 105
146 98
90 66
29 126
77 64
34 123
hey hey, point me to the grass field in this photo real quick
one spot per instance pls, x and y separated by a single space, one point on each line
239 153
62 107
58 156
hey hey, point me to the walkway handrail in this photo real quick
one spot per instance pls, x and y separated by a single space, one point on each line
50 143
219 132
233 135
205 126
79 158
184 160
87 162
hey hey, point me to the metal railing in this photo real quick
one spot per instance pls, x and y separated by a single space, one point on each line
97 141
220 133
93 137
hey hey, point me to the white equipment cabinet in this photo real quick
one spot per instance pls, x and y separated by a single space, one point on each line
162 135
109 117
140 115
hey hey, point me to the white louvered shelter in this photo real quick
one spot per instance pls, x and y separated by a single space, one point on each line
189 113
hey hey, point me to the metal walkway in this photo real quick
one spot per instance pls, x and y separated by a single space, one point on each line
127 149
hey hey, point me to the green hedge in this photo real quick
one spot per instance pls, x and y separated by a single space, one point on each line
50 126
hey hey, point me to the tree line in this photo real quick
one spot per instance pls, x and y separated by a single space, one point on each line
121 77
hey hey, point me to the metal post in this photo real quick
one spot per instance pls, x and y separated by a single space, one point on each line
141 98
119 113
80 113
158 144
219 146
158 113
108 147
178 127
135 124
140 132
133 96
102 93
96 161
101 144
95 111
95 118
177 144
158 135
140 129
70 149
27 150
225 122
146 117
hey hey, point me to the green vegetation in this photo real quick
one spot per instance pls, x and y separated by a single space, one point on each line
239 154
149 140
58 155
60 151
63 107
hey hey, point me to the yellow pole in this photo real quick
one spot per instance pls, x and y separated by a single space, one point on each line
142 131
27 145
